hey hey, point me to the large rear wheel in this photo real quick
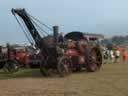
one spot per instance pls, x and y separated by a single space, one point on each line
94 60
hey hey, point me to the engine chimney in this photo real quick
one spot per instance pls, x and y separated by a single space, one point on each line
55 33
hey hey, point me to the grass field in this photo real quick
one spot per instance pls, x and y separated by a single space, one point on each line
111 80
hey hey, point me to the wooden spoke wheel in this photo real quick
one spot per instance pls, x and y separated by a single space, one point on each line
43 69
64 66
94 60
46 70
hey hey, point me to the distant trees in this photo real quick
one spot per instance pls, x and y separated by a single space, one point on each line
117 40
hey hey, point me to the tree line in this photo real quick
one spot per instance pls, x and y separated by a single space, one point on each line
117 40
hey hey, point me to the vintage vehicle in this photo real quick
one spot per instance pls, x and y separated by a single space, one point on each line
8 60
74 53
12 58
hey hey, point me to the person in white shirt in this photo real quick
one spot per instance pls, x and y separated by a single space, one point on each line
112 56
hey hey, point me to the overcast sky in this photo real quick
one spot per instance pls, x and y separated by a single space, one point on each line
108 17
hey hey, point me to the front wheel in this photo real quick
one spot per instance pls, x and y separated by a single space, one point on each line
46 70
64 66
43 69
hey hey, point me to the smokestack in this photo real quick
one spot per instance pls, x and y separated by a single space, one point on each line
55 33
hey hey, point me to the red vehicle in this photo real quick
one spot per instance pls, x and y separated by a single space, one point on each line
8 60
34 60
13 58
20 55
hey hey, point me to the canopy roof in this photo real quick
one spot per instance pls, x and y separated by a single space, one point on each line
74 36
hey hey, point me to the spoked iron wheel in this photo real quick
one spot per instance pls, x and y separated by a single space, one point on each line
45 70
95 60
64 66
11 66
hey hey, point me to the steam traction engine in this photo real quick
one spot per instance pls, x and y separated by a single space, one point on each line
73 54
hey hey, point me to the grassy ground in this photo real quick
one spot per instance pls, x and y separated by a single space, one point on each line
111 80
22 73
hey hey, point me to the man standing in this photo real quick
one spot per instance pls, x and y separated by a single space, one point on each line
117 55
125 56
60 37
112 56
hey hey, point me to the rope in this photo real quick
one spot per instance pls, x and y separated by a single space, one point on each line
39 27
40 22
23 29
27 33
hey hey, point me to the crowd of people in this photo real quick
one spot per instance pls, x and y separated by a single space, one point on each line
115 55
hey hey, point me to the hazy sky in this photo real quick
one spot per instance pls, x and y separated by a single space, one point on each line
108 17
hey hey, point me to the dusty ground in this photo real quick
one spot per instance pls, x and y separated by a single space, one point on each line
111 80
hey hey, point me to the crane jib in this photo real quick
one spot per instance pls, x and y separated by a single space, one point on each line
29 24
